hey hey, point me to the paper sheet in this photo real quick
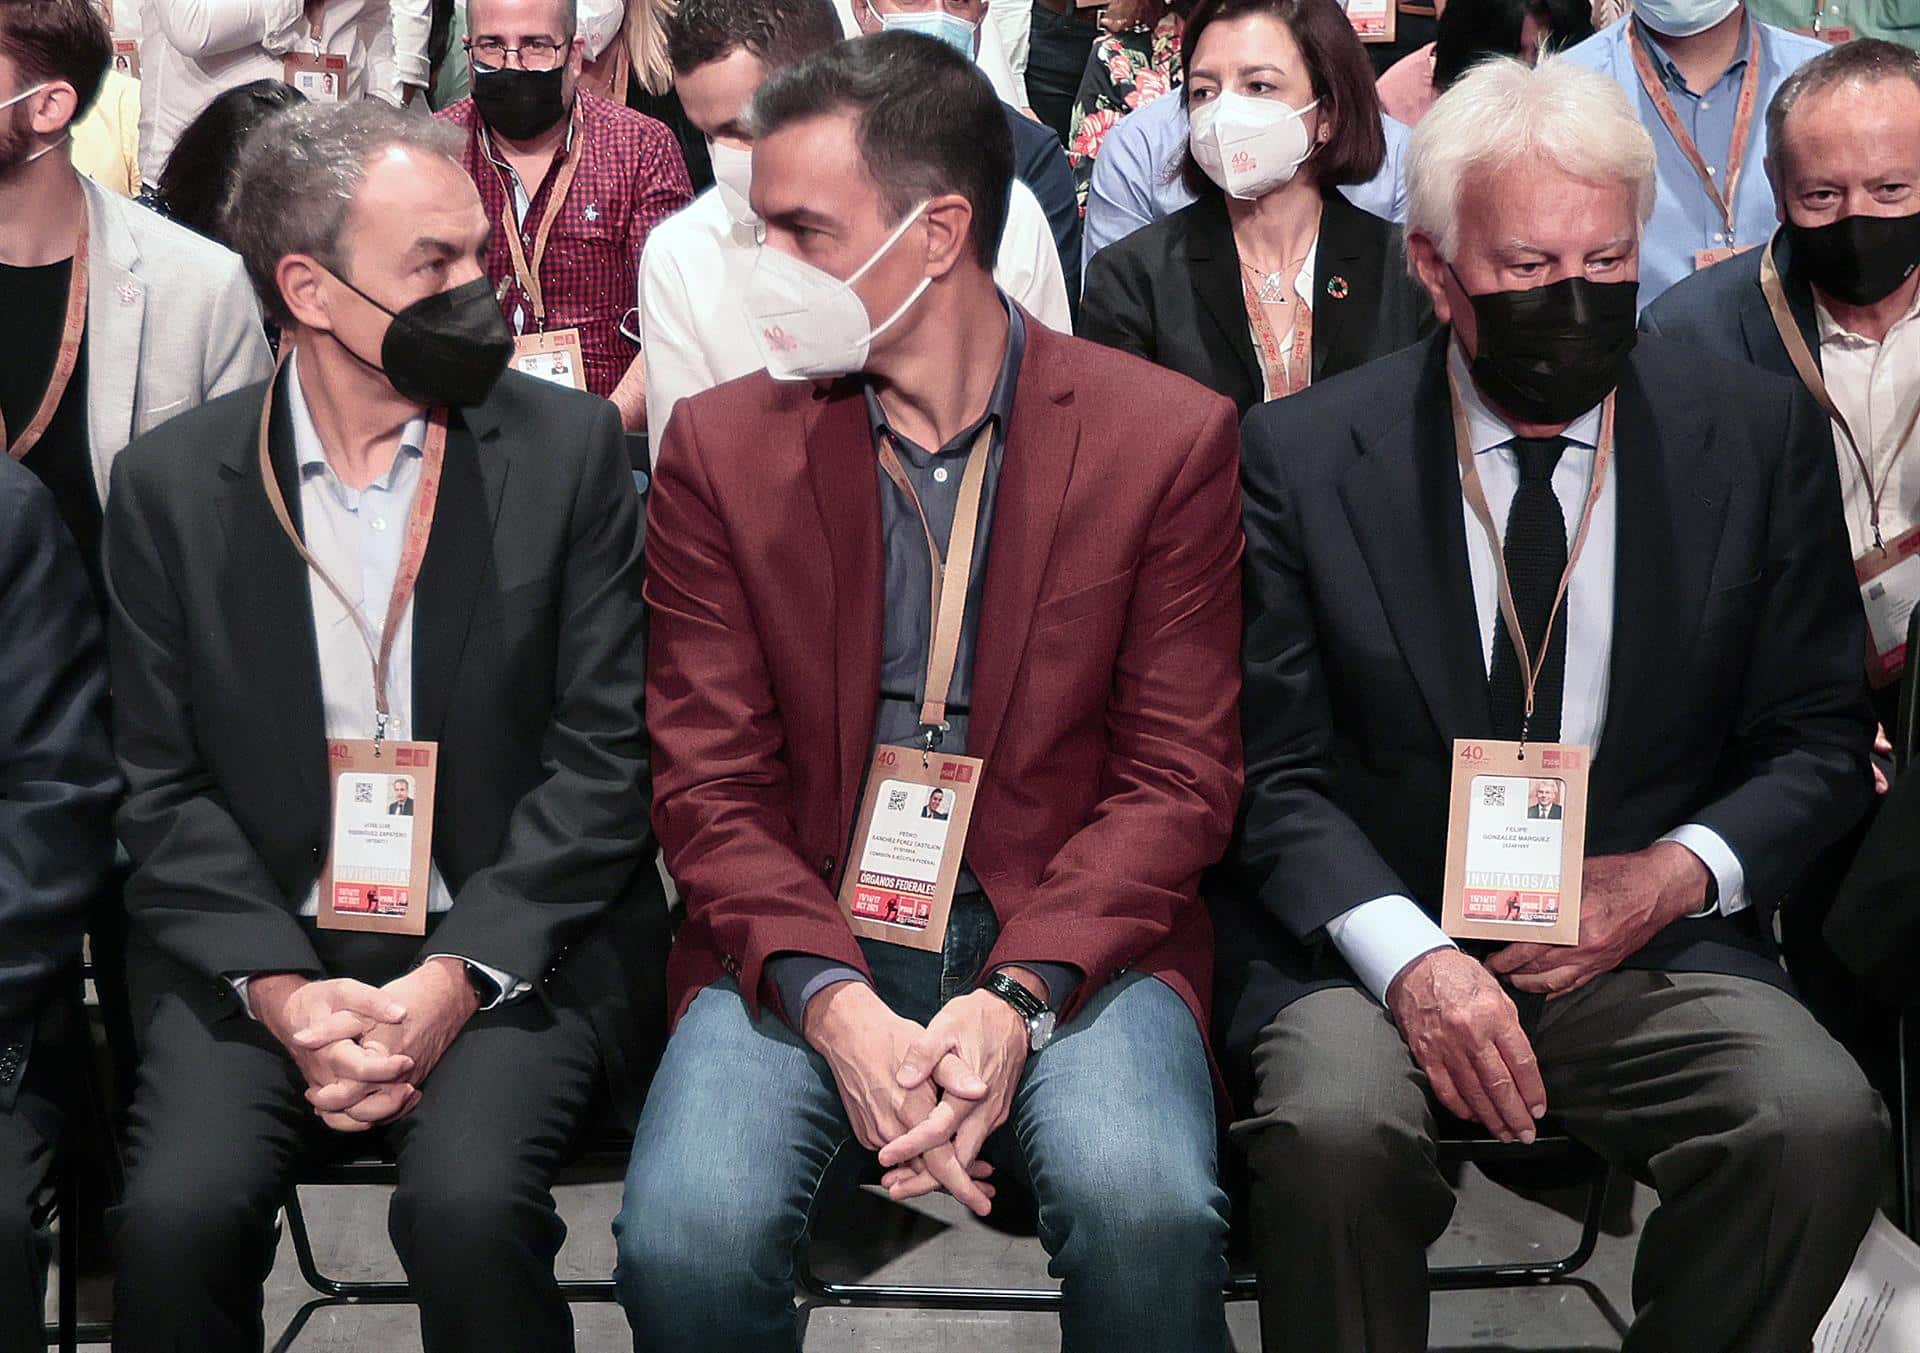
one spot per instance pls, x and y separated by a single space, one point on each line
1878 1309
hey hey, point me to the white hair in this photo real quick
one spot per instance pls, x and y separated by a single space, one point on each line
1504 110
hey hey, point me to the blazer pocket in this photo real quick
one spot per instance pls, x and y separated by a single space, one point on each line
1084 601
1728 604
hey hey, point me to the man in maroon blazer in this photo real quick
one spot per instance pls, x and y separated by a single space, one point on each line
791 577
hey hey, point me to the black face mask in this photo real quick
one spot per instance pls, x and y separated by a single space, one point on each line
519 103
448 348
1550 353
1858 259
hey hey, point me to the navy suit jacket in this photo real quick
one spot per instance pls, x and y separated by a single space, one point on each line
58 783
1721 310
1736 698
1040 162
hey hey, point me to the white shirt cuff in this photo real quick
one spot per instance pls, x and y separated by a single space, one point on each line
1380 938
1720 861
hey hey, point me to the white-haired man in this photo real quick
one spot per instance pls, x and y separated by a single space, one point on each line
1704 666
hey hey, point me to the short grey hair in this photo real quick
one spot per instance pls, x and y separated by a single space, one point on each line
569 20
1503 111
1866 61
298 174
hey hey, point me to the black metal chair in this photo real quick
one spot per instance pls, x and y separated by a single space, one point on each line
1904 736
1583 1168
604 1160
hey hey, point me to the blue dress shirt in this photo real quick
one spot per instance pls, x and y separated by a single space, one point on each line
1685 220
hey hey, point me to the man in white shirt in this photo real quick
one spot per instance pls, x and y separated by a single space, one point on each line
191 50
1703 665
693 272
1841 313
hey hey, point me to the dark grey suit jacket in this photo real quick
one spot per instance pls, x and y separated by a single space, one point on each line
529 671
58 783
1721 310
1736 696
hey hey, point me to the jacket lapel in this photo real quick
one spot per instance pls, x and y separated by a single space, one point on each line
1402 498
1347 286
1041 446
1756 317
1216 281
840 463
265 588
116 312
457 562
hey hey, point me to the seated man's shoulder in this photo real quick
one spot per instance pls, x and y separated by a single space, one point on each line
618 123
1707 301
547 419
736 422
1315 434
1597 51
1792 50
696 230
1142 415
167 459
177 262
26 504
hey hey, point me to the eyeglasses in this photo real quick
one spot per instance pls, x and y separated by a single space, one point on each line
534 53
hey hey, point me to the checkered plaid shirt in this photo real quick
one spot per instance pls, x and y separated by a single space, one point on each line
631 178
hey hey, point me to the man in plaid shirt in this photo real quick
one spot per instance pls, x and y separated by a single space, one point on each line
582 176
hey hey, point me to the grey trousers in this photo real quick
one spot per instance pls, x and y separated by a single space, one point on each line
1759 1133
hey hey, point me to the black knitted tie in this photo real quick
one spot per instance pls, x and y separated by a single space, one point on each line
1536 553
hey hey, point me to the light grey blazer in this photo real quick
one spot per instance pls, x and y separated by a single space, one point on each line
171 323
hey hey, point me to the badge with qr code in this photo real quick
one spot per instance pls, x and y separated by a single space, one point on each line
1516 836
375 877
907 850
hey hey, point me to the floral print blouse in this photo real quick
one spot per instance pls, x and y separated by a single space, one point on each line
1125 71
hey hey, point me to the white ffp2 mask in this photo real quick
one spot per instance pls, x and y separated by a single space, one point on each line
1249 146
810 325
733 176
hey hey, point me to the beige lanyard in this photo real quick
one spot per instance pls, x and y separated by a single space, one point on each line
1742 119
1295 373
528 274
1809 370
951 575
1476 496
419 527
64 360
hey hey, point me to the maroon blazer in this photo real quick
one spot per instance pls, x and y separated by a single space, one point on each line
1106 675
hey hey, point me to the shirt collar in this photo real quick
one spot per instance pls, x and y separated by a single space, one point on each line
1488 431
999 406
1834 333
311 456
1671 73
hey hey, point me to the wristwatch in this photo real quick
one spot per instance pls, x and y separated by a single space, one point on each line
1028 1006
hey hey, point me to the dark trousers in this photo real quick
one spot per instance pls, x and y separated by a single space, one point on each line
219 1127
1760 1134
28 1132
1056 60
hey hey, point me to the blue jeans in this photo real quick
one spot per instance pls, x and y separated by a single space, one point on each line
744 1135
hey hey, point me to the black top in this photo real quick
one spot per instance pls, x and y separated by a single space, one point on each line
666 108
1172 293
29 344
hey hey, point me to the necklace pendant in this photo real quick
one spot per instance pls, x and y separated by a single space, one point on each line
1273 289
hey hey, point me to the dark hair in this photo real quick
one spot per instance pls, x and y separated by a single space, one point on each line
1470 31
780 33
1338 69
58 40
1863 61
927 123
199 173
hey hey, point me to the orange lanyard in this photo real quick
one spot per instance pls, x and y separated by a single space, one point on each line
1295 373
1476 496
951 574
1809 372
419 527
1742 119
527 273
64 360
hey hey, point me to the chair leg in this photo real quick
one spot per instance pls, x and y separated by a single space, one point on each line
69 1255
1903 1124
340 1291
1465 1277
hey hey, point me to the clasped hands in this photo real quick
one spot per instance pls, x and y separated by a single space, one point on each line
365 1051
926 1099
1464 1030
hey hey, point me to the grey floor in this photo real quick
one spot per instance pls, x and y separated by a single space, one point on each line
936 1242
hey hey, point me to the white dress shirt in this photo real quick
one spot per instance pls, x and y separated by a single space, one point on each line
693 282
1875 386
192 50
358 537
1381 937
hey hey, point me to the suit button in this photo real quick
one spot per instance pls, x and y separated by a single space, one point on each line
826 866
316 852
731 965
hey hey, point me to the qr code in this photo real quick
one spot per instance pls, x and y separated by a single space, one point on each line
363 793
896 800
1493 796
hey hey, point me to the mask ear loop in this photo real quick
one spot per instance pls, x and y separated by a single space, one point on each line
898 232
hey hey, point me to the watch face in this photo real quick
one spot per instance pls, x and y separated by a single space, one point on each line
1041 1027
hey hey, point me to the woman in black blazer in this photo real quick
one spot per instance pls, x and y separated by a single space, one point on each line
1271 279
